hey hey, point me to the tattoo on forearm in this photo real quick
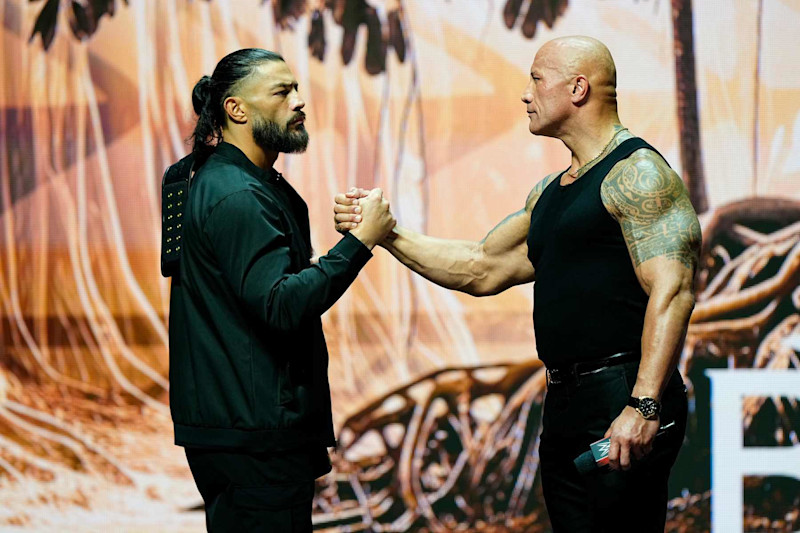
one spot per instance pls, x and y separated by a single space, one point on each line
653 208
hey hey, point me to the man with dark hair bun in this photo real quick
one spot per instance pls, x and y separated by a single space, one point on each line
249 390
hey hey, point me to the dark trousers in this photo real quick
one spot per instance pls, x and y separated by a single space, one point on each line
579 413
257 492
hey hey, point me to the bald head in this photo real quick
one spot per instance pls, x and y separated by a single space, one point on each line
579 55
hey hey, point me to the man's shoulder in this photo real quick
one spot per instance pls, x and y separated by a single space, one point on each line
643 170
644 159
538 189
221 186
641 182
220 177
219 180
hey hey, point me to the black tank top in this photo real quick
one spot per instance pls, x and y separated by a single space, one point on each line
587 301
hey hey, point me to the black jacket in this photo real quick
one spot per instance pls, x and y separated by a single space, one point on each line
248 360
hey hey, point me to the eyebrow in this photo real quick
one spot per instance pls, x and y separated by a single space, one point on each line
293 84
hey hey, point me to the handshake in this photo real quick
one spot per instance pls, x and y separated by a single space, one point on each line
365 214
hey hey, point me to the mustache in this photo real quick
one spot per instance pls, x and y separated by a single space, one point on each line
299 115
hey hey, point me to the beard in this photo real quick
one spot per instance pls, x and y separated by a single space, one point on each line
271 137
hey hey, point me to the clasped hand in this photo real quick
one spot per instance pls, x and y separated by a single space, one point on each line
365 214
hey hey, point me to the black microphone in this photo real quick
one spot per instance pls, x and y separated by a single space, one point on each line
597 455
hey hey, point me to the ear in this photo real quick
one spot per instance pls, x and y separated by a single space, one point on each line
236 109
579 90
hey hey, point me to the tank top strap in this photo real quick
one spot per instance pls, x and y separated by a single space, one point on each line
623 151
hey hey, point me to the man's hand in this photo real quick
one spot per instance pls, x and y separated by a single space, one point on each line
631 435
347 212
376 221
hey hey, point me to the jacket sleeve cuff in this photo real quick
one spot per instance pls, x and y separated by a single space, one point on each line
353 250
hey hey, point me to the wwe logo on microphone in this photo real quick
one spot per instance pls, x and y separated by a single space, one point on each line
604 446
600 450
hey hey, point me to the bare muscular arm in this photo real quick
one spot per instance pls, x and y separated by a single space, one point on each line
661 230
482 268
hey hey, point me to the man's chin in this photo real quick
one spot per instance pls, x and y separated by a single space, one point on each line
301 145
538 131
297 146
298 150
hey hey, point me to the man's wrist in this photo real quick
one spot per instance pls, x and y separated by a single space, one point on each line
365 239
646 387
647 406
388 241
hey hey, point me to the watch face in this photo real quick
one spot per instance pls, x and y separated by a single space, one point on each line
648 407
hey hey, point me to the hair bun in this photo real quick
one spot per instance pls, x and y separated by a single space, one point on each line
201 94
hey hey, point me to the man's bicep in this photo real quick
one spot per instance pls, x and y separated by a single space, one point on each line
652 205
507 234
513 230
505 252
675 235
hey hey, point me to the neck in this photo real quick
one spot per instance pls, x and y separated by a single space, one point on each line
261 158
589 141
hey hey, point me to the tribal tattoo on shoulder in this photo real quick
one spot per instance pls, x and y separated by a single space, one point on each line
537 191
525 212
652 206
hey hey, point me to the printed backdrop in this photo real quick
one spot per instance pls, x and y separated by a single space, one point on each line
437 395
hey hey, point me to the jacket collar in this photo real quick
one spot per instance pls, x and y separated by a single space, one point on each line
237 157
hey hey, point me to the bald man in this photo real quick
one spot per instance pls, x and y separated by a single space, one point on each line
612 244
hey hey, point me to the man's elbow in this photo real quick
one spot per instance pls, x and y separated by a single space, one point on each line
280 314
279 320
685 292
482 278
675 293
481 288
686 299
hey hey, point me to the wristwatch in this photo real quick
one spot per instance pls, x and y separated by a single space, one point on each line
646 406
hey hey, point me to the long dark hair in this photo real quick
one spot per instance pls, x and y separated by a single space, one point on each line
210 92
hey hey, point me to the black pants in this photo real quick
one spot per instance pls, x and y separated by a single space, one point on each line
577 414
257 492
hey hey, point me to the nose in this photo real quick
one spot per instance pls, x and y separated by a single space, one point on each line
298 103
527 95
